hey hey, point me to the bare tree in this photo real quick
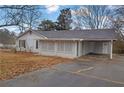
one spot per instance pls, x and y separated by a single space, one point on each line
11 15
119 22
23 16
32 17
92 17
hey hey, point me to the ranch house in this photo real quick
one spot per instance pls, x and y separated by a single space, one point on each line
70 44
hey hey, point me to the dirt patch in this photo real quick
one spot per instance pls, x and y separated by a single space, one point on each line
14 64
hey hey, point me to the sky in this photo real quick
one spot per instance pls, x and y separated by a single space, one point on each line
53 12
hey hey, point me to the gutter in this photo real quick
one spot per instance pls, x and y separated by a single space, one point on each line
75 39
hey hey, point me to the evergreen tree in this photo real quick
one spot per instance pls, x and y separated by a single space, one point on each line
64 20
46 25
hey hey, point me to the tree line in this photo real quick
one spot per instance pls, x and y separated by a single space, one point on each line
87 17
7 37
63 22
90 16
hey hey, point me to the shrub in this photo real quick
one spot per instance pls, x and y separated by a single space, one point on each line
13 50
118 47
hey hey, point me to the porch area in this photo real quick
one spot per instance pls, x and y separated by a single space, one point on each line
94 47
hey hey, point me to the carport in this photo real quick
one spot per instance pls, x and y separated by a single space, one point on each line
95 47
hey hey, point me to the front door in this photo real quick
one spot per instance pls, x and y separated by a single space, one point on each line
105 47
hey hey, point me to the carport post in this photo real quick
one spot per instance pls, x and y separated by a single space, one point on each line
111 48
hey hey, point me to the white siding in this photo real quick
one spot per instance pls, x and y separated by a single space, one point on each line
66 48
47 48
58 48
106 47
30 39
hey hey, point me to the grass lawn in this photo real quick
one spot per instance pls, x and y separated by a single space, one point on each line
14 64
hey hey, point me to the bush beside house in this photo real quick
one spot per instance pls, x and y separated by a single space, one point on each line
118 47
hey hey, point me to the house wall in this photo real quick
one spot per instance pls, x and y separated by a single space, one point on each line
58 48
99 47
30 39
52 46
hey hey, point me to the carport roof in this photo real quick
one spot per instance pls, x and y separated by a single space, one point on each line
94 34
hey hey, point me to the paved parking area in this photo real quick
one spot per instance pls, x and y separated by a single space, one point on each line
75 74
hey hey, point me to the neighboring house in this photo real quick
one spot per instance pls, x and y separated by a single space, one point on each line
7 45
69 44
1 45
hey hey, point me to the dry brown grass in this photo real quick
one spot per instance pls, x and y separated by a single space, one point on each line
14 64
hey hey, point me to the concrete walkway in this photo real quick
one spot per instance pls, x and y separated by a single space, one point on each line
76 74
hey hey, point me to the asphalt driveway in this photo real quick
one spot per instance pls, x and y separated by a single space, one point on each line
74 74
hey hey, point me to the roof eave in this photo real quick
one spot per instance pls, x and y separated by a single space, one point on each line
73 39
34 33
76 39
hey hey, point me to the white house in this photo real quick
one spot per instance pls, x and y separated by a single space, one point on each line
1 45
69 44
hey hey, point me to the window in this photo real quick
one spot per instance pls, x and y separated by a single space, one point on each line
36 44
22 43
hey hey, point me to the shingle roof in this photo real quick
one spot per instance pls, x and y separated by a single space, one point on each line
99 34
95 34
